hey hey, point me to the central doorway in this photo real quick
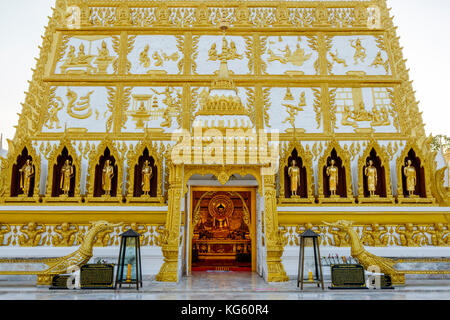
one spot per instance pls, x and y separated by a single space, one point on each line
222 229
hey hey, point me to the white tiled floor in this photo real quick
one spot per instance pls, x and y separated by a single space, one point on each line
228 286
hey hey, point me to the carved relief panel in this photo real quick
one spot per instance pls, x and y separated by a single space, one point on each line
357 56
290 55
363 110
155 108
156 55
87 108
289 108
210 51
88 55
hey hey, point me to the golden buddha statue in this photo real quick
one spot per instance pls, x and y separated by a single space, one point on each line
294 175
333 175
372 178
107 176
147 174
66 175
411 178
26 173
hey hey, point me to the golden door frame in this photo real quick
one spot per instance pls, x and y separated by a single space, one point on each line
252 227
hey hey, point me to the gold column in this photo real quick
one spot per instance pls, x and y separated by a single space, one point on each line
275 240
170 236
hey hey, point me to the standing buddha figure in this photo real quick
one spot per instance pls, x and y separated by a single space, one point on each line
26 173
66 176
411 178
107 176
372 179
147 174
333 174
294 175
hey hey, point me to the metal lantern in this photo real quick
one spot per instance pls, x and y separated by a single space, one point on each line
129 268
318 279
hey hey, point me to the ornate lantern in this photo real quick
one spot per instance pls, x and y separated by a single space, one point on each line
306 238
129 268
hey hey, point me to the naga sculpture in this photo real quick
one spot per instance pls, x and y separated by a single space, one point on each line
386 266
57 266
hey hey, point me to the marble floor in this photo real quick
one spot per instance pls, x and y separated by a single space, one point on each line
228 286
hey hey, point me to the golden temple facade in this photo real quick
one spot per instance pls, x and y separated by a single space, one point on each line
220 131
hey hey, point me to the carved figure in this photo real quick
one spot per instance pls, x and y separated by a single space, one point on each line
360 52
372 178
333 175
31 236
65 235
294 175
147 174
66 176
26 173
411 178
335 58
298 58
3 232
107 176
408 236
144 60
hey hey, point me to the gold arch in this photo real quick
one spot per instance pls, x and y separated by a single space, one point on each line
341 153
14 152
384 157
425 164
307 163
133 159
52 161
94 158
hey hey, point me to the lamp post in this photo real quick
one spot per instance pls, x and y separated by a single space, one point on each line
129 268
314 237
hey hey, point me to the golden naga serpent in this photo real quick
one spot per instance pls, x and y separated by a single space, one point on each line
56 266
386 265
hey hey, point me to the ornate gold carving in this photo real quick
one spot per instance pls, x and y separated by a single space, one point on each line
94 159
307 157
385 165
57 266
323 163
65 235
425 166
293 110
31 234
15 151
64 143
133 160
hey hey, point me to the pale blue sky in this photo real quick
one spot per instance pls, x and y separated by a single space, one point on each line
424 29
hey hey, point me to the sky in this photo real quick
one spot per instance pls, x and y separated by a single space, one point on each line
423 27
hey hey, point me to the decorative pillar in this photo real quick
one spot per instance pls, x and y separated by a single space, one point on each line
275 239
170 236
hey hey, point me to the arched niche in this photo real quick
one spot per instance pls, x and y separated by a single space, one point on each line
16 174
342 181
416 163
305 192
137 187
381 163
98 182
145 151
57 174
344 191
302 189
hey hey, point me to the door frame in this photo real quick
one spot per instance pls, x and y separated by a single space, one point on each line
252 226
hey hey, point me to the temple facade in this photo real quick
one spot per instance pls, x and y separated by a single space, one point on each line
220 131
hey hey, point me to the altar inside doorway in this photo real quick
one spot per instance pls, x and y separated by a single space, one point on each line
223 229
